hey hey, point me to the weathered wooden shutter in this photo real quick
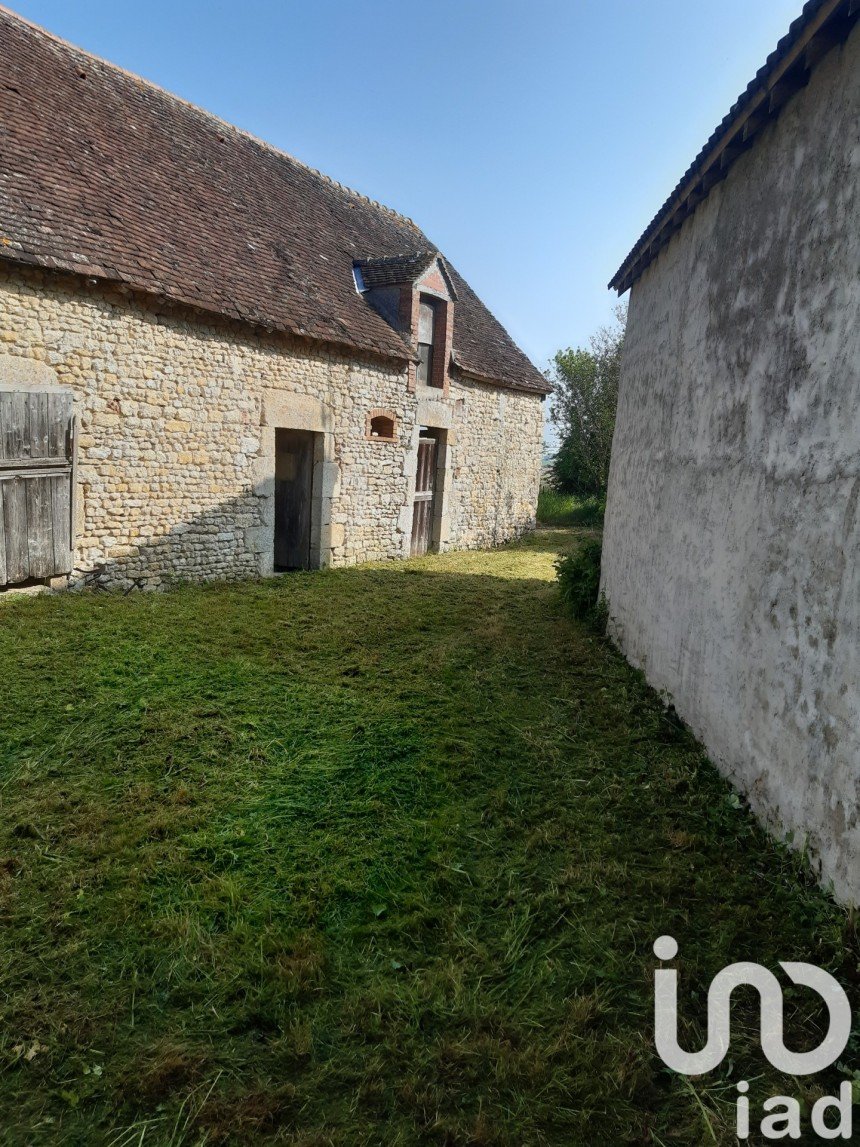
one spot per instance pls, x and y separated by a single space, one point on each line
425 488
35 485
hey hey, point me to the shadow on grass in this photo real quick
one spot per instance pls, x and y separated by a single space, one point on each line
365 855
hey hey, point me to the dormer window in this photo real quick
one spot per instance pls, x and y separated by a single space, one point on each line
427 309
414 293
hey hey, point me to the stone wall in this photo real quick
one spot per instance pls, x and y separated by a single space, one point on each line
732 529
495 464
175 443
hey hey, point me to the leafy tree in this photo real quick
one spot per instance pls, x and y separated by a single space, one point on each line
585 395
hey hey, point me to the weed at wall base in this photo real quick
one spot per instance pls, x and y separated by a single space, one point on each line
579 581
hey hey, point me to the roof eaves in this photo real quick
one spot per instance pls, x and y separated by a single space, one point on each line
822 25
538 386
397 350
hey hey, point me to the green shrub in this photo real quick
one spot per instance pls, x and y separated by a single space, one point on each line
579 580
588 512
552 506
557 509
585 396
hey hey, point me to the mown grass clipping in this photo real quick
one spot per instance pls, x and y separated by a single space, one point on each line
368 856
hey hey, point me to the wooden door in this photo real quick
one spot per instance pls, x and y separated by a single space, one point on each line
294 472
425 490
35 485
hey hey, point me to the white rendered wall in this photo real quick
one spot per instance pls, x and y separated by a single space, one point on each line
732 544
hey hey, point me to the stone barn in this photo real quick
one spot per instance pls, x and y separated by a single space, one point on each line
731 548
217 362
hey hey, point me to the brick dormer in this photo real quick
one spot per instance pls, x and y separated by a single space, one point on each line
415 294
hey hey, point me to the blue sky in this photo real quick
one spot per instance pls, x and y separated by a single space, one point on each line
531 140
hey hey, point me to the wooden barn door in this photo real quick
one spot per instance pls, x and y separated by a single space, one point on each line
425 491
294 471
35 485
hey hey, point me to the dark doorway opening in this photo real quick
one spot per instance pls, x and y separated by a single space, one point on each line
294 493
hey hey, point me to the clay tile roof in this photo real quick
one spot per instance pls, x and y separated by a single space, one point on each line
822 25
104 174
394 269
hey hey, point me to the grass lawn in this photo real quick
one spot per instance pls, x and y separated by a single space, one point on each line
561 510
368 856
